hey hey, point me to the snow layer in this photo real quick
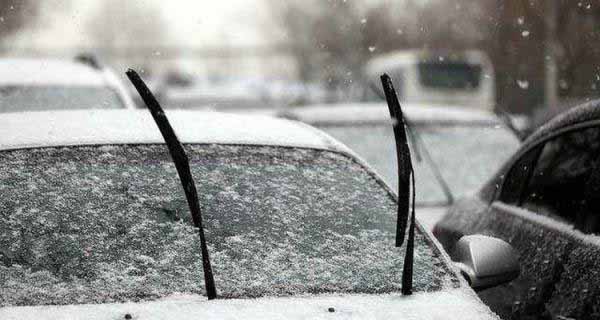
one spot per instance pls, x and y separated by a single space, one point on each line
48 72
549 222
106 224
376 112
62 128
458 304
586 112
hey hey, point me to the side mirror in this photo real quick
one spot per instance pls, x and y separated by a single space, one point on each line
486 261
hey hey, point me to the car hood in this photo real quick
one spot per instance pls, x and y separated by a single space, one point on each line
451 304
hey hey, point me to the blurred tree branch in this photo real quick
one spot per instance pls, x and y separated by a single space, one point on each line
333 39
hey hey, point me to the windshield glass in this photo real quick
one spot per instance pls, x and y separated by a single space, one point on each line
39 98
102 224
449 75
466 155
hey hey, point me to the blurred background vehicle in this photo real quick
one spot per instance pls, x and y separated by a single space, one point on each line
181 90
53 84
544 201
456 149
459 78
541 56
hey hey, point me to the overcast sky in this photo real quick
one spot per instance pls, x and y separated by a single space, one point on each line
191 22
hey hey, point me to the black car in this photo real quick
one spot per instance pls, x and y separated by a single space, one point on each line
544 201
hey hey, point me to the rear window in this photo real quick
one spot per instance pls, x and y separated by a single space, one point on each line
444 75
42 98
103 224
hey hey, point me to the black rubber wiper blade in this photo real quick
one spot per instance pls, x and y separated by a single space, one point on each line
402 157
183 170
419 148
406 183
409 128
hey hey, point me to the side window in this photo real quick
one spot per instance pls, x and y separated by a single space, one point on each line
518 177
561 180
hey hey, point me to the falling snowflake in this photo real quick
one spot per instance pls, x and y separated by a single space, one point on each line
523 84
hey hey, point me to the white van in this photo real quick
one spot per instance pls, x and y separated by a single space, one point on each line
465 78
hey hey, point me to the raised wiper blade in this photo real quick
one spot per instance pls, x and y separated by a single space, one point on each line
183 170
402 157
419 148
406 183
409 129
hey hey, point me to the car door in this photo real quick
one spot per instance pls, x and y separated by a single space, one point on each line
548 208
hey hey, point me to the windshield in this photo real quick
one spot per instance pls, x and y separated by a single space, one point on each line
466 155
451 75
39 98
102 224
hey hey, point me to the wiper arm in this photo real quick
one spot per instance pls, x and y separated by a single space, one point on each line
183 170
406 183
509 123
417 142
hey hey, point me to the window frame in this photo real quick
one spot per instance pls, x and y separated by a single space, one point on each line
539 144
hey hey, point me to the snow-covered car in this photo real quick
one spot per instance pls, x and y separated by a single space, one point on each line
544 201
28 84
459 147
95 224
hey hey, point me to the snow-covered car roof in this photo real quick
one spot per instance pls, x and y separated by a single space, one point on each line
22 71
589 111
101 127
378 112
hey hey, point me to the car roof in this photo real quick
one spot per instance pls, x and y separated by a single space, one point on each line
30 71
102 127
360 113
589 111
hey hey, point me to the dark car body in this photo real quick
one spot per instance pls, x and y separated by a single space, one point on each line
544 201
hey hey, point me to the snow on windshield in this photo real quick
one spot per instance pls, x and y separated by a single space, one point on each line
467 155
105 224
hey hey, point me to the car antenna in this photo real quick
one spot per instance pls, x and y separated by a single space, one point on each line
406 183
183 170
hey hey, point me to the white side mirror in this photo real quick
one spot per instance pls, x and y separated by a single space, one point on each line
486 261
